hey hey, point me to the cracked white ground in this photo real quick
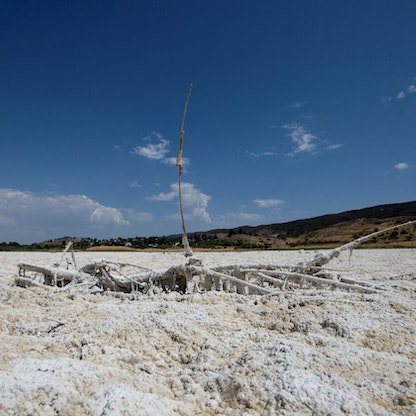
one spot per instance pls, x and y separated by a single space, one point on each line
302 352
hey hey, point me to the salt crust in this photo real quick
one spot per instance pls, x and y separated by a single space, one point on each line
301 352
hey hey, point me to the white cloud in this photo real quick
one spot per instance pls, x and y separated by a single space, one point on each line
401 166
154 151
172 161
304 141
164 196
157 134
411 89
157 150
334 146
106 215
194 201
263 154
32 217
135 184
21 204
268 203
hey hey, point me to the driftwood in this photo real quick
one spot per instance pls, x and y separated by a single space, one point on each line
53 276
250 279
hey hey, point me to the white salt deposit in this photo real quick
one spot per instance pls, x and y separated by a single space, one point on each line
302 352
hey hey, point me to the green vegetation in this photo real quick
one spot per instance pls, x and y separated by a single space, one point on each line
294 235
11 246
197 240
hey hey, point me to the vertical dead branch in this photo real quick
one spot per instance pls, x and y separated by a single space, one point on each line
69 245
179 164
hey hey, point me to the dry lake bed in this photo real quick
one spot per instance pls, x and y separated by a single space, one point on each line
301 352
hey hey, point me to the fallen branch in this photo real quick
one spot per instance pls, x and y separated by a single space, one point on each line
54 276
323 258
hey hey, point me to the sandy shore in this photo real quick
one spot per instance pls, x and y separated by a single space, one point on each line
306 352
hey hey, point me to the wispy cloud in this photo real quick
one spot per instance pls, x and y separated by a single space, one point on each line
157 148
268 203
334 146
154 151
135 184
194 201
304 140
409 90
262 154
298 104
401 166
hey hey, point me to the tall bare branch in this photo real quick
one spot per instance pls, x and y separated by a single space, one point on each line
179 164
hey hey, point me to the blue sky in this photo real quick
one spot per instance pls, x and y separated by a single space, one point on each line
298 109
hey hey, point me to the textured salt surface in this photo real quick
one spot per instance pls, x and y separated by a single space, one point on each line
301 352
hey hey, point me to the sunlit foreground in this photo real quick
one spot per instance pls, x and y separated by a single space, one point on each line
301 351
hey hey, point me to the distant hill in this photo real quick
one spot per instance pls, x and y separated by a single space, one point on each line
331 229
405 209
318 232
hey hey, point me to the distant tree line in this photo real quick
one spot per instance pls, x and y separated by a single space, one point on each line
197 240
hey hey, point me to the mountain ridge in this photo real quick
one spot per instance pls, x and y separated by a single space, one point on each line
323 231
403 209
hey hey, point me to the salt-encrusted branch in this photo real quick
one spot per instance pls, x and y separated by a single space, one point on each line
69 245
251 279
323 258
179 164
